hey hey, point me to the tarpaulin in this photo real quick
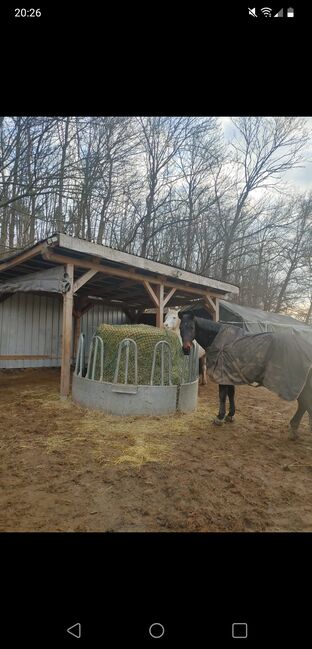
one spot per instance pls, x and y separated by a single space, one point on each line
51 280
279 361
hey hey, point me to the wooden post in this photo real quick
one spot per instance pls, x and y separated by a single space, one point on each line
67 333
211 303
217 313
160 306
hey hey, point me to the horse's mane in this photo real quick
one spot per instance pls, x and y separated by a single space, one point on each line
208 325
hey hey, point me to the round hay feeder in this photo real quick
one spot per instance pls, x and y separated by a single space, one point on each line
135 370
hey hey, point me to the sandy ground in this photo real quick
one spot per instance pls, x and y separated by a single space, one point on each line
65 468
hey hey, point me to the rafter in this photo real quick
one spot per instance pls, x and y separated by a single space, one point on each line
169 296
84 279
151 292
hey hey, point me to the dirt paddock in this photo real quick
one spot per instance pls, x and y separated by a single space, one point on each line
65 468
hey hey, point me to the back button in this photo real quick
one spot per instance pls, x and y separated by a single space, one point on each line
75 630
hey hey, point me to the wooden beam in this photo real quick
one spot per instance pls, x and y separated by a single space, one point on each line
151 293
67 333
84 279
160 306
217 312
214 303
169 295
82 305
18 259
116 272
27 357
210 303
87 308
100 268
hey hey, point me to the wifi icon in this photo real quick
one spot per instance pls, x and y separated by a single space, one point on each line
266 12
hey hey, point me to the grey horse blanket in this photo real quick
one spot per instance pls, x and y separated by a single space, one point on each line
279 361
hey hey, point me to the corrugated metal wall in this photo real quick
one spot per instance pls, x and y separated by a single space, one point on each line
31 325
98 315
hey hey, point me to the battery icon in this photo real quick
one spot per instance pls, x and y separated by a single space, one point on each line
290 12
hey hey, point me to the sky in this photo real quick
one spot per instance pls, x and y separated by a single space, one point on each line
299 179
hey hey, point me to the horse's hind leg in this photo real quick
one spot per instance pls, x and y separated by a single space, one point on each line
304 403
222 400
296 419
231 395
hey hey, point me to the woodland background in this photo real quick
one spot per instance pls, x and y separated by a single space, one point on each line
173 189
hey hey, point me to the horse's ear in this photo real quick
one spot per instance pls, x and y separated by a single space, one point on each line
190 314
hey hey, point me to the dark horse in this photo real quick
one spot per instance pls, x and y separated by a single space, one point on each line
205 331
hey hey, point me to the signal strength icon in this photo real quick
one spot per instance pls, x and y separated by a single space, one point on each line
280 14
266 12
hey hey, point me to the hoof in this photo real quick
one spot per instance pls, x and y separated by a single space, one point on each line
217 421
293 435
229 418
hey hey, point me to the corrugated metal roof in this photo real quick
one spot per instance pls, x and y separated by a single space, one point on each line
80 248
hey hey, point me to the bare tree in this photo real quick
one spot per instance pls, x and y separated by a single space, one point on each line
263 150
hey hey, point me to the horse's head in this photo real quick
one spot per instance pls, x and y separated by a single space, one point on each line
187 330
172 320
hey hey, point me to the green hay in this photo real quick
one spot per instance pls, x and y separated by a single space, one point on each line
146 338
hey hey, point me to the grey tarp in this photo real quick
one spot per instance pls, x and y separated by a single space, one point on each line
248 318
279 361
255 320
51 280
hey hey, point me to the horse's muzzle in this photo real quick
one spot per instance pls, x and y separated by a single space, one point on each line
187 348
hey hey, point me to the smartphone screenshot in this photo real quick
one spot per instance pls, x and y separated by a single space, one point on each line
155 326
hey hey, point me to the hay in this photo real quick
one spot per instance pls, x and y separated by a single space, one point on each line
146 338
143 451
57 443
39 422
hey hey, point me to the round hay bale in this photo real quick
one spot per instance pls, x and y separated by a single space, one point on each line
146 338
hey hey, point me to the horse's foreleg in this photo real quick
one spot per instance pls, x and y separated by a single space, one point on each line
231 395
203 370
222 401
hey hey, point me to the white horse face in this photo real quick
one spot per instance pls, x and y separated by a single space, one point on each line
172 320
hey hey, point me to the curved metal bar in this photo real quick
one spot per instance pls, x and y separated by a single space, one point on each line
95 345
80 355
90 358
194 361
126 343
163 345
101 358
190 366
